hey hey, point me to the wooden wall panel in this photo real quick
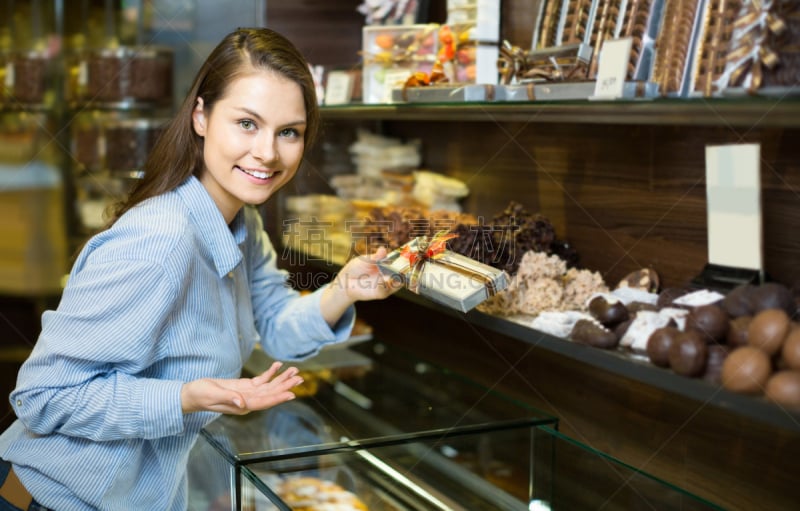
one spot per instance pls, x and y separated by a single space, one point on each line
624 196
327 33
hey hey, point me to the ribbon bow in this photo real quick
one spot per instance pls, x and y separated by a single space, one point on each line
421 251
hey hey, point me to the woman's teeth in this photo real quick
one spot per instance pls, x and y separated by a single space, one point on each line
258 174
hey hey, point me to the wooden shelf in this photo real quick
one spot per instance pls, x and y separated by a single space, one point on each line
749 113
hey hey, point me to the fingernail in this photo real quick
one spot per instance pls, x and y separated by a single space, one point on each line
237 402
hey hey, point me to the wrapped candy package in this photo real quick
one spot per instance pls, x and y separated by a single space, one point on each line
427 268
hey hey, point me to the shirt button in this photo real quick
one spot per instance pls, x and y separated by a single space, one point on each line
19 402
230 274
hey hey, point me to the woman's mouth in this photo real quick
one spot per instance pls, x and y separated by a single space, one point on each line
260 174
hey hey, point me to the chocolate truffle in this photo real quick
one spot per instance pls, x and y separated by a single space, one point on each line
659 343
645 279
768 330
791 348
593 334
606 311
688 353
717 353
737 302
710 320
746 370
783 388
737 331
772 295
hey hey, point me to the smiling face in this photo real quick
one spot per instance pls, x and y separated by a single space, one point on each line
253 139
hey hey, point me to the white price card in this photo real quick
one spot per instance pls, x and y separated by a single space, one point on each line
612 69
733 190
393 79
339 89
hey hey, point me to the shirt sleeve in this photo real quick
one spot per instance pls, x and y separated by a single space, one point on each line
291 327
84 376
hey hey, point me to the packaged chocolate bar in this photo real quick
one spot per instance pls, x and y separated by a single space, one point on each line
763 55
427 268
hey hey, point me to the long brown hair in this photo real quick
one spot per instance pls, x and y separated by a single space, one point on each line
178 153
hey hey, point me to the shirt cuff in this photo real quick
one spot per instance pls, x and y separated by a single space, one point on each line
160 401
322 332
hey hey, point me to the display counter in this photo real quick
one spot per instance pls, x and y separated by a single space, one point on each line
380 429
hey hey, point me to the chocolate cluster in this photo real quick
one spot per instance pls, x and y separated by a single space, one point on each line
501 243
747 341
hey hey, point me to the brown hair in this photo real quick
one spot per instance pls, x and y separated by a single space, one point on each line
178 153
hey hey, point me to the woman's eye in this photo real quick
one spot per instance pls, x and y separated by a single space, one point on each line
290 132
247 124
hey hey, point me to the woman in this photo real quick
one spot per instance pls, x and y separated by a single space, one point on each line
163 307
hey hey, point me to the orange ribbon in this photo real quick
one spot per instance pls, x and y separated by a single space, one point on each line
421 252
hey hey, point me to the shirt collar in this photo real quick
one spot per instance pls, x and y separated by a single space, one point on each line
223 240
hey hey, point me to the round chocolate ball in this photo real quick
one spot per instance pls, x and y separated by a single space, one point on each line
717 353
607 312
768 330
659 343
710 320
783 388
737 302
737 331
790 353
772 295
746 370
687 355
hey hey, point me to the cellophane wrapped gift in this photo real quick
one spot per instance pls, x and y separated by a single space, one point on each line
393 53
427 268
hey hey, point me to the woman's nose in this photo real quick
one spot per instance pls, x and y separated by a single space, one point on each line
264 148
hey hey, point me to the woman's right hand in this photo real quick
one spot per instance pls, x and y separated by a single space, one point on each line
240 396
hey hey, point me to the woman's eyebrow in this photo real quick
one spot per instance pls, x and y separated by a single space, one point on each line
257 117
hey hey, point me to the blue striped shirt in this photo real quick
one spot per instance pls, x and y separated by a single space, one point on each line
169 294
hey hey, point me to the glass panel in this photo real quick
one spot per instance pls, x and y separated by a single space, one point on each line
371 393
584 478
483 471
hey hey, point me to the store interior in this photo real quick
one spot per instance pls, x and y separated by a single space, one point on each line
615 187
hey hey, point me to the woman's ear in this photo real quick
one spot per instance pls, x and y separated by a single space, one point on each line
199 118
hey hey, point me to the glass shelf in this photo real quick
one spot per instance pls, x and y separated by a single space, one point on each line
749 112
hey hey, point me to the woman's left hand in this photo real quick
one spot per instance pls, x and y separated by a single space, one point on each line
360 279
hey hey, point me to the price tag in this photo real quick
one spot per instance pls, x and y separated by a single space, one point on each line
612 69
339 89
733 192
393 79
9 80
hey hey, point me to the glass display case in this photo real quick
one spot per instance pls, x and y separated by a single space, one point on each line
374 428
